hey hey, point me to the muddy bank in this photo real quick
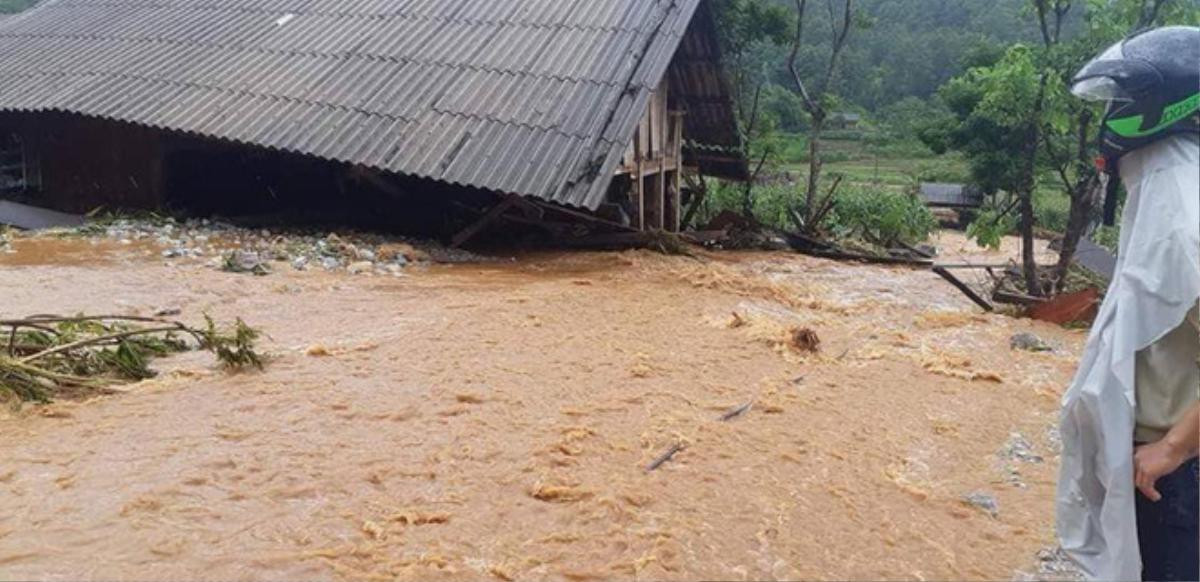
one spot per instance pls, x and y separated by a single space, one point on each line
495 420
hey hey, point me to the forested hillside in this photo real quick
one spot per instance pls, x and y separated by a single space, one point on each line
899 48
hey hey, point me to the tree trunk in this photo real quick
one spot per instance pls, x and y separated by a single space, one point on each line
1033 137
1083 200
814 170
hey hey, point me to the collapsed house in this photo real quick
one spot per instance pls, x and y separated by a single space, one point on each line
573 106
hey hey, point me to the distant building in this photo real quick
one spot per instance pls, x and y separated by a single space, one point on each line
564 104
845 120
943 195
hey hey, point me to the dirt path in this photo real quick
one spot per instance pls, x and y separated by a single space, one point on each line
494 422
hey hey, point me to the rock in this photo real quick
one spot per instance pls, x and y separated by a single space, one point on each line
397 252
365 255
330 263
174 253
1020 449
300 263
361 267
240 261
983 501
1028 342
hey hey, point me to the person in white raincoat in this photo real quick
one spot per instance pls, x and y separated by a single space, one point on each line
1127 511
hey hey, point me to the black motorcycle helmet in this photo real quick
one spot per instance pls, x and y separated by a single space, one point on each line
1151 82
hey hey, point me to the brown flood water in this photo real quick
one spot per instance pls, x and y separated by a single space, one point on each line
494 422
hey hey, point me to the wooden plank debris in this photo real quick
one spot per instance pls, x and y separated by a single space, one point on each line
966 289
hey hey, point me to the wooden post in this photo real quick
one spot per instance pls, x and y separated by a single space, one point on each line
640 189
660 196
677 152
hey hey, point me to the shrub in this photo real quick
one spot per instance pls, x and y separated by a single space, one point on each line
989 228
1051 210
880 217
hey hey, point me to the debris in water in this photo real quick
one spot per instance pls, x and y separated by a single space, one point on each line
48 355
1028 342
737 411
806 340
663 458
983 501
1019 448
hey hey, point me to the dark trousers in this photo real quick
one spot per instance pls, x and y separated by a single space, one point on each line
1169 530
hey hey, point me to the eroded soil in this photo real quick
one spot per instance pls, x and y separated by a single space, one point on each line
495 421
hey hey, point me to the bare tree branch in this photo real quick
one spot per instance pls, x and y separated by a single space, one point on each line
809 105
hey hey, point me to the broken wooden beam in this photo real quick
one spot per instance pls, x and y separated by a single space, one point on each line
1014 298
842 255
966 289
488 218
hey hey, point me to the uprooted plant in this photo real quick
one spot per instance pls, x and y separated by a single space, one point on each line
45 356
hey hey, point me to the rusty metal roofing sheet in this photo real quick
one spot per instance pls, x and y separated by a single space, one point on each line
533 97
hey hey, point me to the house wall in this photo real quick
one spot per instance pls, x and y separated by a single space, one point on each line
82 163
652 164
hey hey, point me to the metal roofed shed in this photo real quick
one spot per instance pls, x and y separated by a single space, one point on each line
943 195
537 98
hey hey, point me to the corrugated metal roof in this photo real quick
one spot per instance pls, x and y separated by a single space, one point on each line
534 97
951 195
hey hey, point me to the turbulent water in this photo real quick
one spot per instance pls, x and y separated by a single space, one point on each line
496 421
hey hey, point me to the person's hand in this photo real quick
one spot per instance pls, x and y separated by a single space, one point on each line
1153 462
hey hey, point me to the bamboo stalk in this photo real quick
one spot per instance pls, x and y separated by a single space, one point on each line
100 340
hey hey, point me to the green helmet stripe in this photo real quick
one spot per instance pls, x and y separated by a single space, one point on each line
1132 126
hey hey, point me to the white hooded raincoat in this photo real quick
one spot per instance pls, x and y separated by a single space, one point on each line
1157 282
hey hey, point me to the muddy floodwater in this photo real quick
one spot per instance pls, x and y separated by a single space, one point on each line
495 421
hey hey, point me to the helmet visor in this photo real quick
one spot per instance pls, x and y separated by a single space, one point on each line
1094 83
1100 89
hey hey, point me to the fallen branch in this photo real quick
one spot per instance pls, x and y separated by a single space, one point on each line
49 353
663 458
105 339
736 412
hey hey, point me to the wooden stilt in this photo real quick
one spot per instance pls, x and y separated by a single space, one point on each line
640 190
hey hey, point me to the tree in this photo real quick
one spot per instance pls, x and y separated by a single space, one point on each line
1016 121
816 104
745 28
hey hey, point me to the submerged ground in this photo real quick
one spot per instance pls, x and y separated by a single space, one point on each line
495 421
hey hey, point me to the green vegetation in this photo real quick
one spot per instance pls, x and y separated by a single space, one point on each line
880 217
947 91
47 356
